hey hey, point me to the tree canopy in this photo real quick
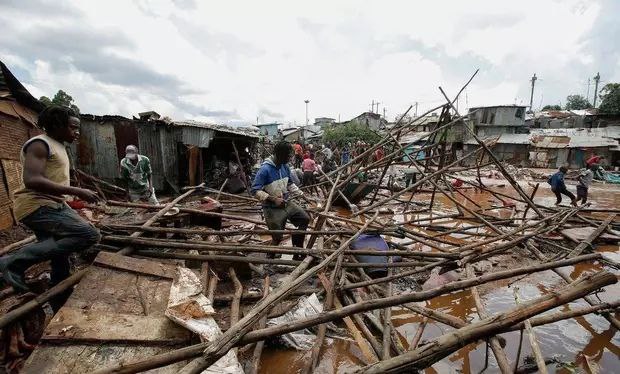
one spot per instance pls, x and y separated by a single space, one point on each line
552 107
61 98
350 132
577 102
610 98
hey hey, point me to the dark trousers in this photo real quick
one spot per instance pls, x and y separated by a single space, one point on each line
59 231
276 220
563 191
582 194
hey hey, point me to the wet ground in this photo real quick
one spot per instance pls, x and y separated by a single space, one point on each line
585 344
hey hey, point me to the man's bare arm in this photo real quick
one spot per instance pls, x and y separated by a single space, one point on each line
34 175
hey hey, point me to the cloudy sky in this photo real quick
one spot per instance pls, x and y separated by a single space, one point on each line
234 61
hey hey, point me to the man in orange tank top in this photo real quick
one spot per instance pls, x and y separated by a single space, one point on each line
40 202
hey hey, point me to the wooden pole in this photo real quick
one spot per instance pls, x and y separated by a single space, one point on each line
378 303
258 350
127 250
540 359
443 346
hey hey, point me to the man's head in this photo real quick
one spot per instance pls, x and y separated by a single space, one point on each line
60 123
563 169
131 152
282 152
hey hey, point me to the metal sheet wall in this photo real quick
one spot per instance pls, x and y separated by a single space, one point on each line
96 150
197 136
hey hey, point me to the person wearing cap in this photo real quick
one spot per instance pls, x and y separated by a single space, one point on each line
136 172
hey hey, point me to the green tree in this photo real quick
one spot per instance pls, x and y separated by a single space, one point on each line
61 98
577 102
552 107
610 98
350 132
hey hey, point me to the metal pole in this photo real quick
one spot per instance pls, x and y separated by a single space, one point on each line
597 78
532 93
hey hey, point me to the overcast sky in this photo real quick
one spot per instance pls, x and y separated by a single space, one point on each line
234 61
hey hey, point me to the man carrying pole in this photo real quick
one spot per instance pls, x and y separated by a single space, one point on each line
272 186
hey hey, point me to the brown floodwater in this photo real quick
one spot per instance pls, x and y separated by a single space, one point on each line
587 343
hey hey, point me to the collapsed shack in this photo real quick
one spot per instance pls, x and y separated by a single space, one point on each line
182 153
132 309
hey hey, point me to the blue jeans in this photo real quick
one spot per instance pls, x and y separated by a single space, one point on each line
59 231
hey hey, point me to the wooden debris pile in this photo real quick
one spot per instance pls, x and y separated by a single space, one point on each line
433 229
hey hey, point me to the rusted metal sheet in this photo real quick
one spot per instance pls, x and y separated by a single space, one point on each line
126 133
96 150
150 146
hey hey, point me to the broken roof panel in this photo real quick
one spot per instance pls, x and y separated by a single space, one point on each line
249 131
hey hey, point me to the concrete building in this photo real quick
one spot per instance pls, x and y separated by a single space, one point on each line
269 130
323 122
498 120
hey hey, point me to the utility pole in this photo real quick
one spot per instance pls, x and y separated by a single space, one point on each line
383 112
532 93
306 101
597 78
588 91
377 111
372 107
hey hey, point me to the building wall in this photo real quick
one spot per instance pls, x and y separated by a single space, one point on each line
17 125
500 116
270 130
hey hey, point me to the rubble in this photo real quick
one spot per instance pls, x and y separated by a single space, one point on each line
209 249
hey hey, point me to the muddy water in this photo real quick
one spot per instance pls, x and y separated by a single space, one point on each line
587 343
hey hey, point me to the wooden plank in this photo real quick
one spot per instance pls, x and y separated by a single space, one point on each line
135 265
80 325
83 358
118 291
579 234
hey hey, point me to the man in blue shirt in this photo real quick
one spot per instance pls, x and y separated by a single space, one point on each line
559 188
273 186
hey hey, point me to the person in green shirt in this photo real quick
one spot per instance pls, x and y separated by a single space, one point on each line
136 172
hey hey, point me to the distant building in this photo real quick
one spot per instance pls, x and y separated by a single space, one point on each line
19 113
498 120
585 118
269 130
371 120
323 122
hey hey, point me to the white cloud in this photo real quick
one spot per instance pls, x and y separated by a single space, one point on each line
234 61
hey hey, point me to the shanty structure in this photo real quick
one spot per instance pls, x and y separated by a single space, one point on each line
18 122
181 152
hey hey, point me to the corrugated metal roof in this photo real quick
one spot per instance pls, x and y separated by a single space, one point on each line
506 139
563 138
244 131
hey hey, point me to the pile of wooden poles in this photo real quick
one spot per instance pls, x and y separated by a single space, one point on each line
422 238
